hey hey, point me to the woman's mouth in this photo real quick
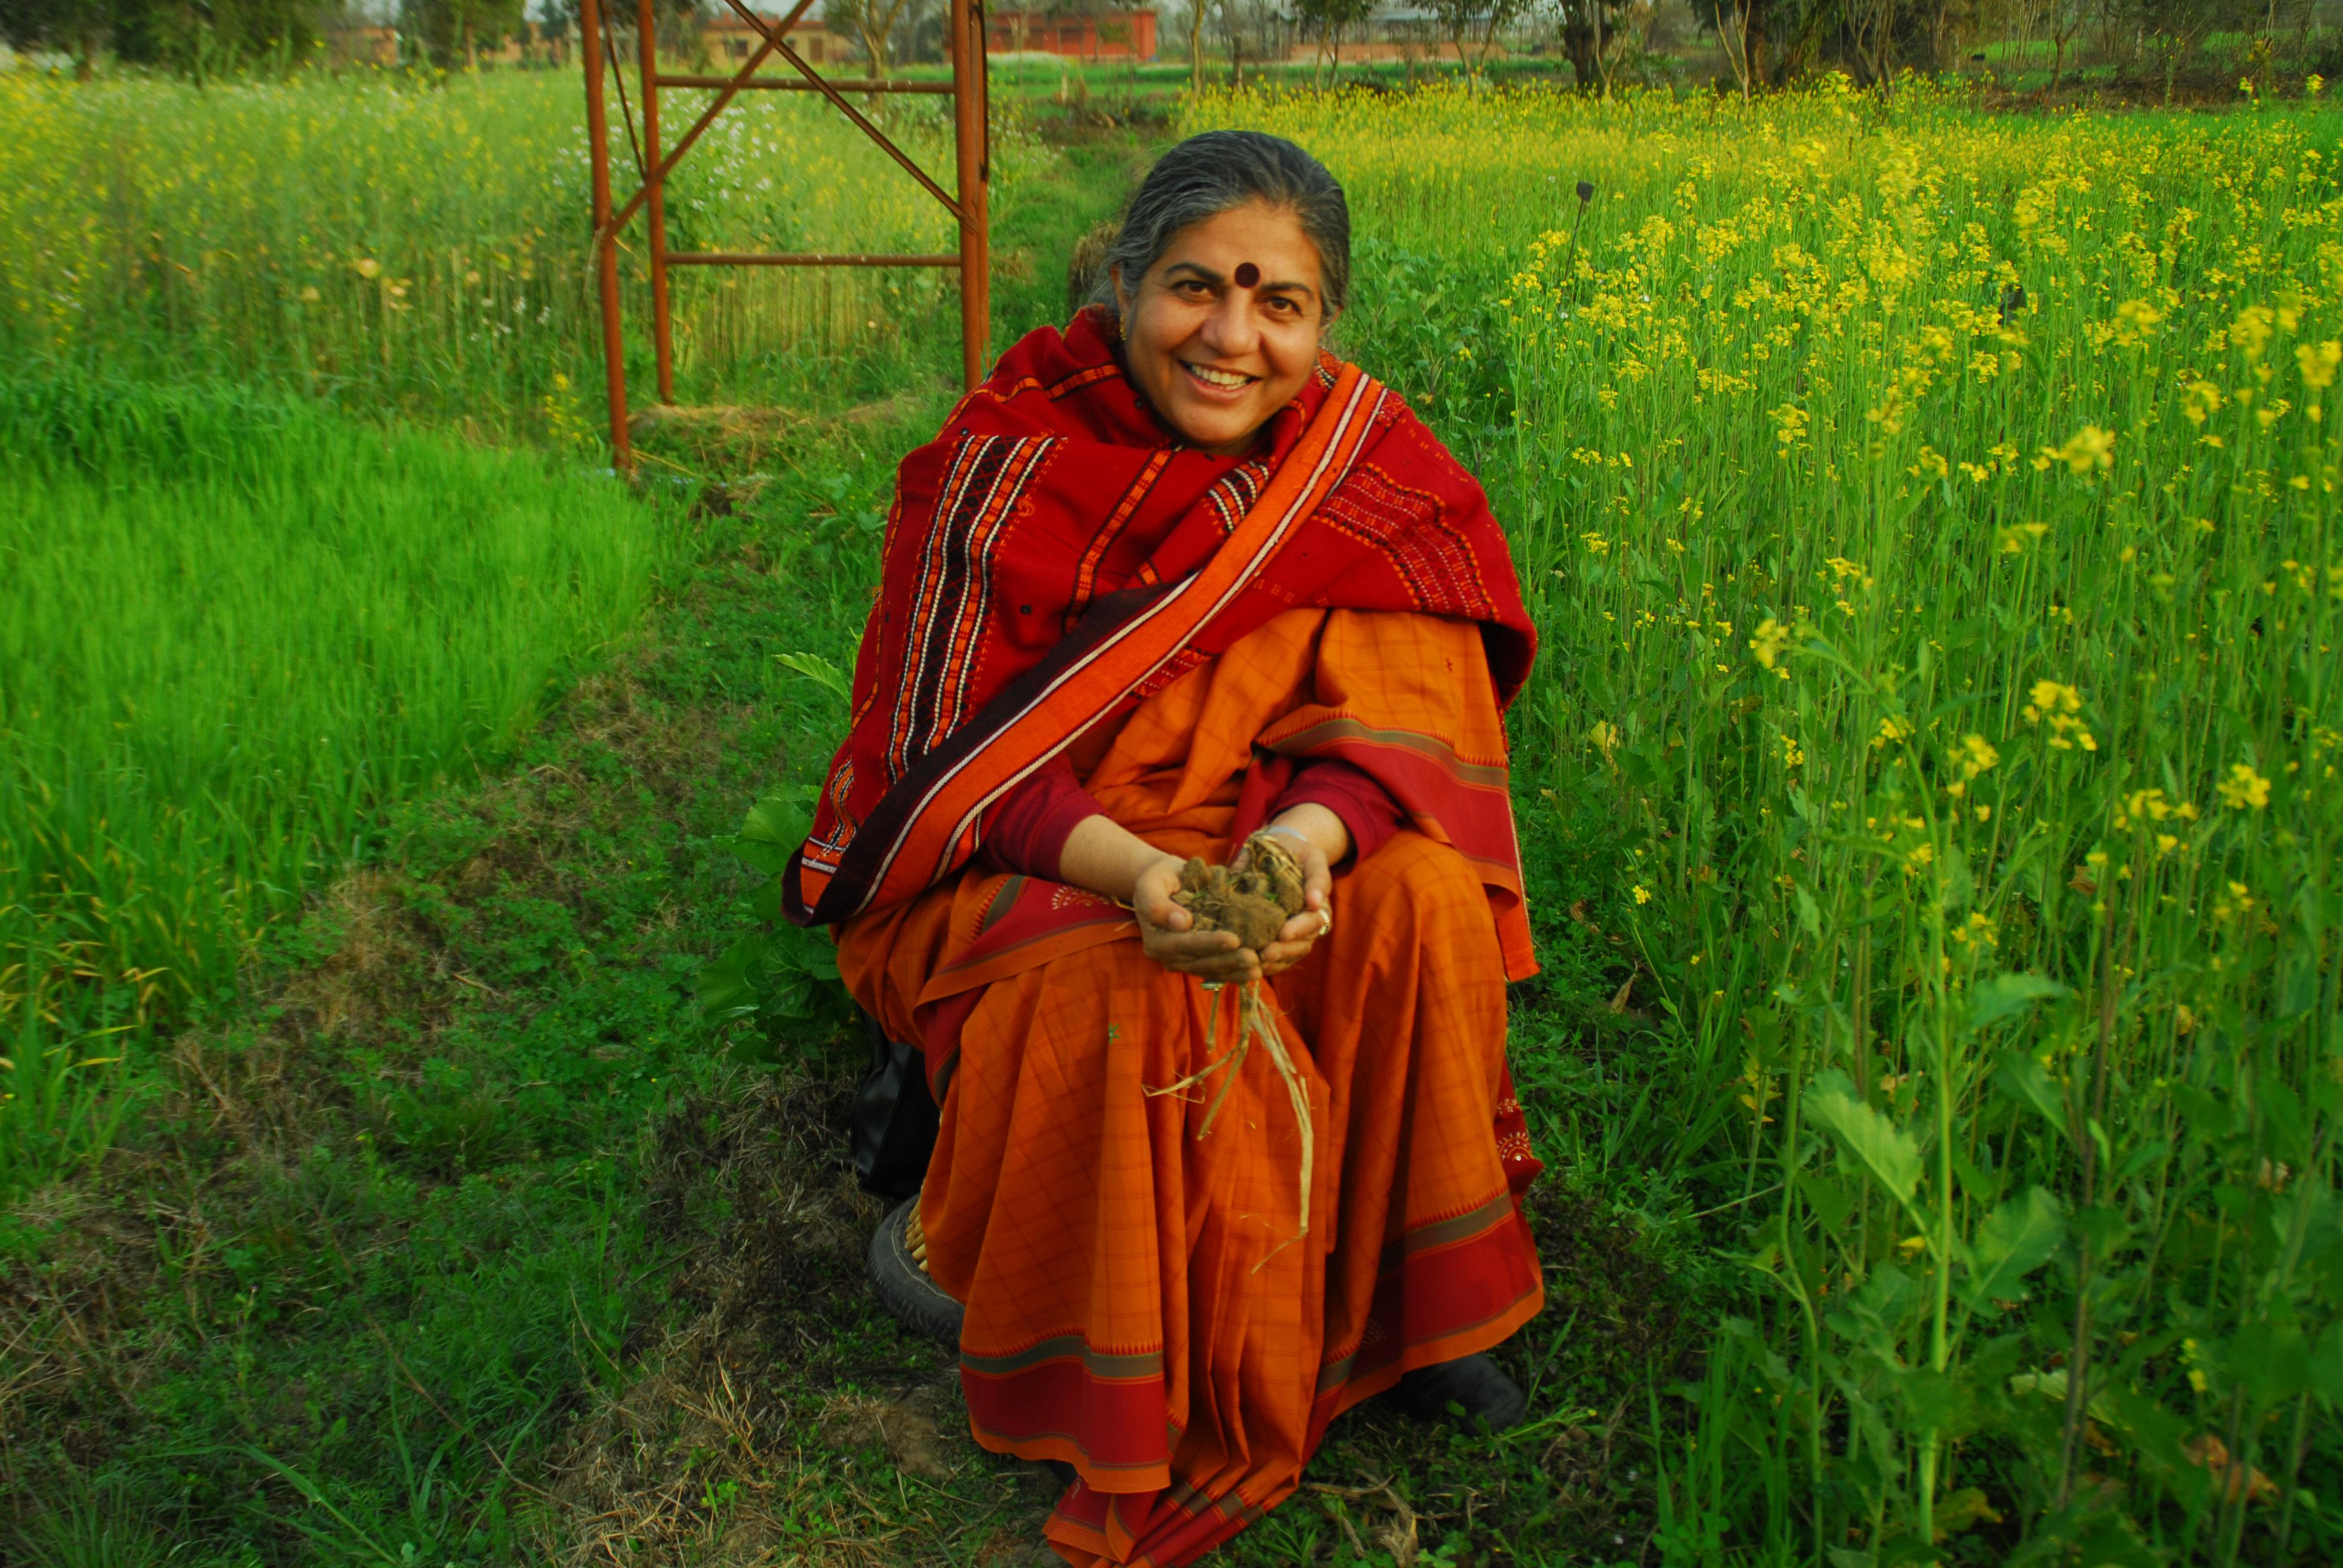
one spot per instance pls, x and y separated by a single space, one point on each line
1217 380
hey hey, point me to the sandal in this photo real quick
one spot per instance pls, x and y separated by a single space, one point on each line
899 1278
1476 1383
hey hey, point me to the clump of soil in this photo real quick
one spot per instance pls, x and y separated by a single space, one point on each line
1253 899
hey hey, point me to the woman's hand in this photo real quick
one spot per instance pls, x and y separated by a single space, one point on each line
1166 931
1308 837
1106 858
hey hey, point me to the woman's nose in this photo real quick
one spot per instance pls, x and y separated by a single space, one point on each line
1230 330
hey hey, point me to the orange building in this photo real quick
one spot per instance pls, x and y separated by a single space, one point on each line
731 41
1092 36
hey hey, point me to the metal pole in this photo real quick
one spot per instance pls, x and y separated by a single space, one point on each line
655 178
968 134
606 247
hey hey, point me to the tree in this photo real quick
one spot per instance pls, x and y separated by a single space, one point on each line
1594 33
874 22
195 37
2064 19
1471 26
1327 19
453 32
82 29
2175 29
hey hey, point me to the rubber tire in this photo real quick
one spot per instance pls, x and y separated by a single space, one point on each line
1475 1382
909 1295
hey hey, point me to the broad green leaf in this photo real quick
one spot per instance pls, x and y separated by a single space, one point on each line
774 828
803 952
2005 995
2016 1239
776 820
766 902
729 984
1887 1150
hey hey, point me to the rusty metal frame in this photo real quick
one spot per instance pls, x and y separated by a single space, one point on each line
967 90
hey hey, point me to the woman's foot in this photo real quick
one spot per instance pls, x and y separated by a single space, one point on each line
899 1278
1475 1382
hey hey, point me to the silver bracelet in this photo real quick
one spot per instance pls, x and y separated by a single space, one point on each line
1290 832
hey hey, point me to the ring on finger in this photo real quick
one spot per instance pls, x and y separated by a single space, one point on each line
1327 922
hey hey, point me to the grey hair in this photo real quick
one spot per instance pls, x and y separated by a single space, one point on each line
1201 178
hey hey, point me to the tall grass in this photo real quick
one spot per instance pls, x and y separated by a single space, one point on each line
419 244
1930 522
231 627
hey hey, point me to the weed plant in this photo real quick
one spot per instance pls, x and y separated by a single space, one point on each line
1930 521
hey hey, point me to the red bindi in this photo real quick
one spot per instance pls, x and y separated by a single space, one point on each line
1247 275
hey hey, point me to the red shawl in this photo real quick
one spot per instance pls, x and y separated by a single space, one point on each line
1053 557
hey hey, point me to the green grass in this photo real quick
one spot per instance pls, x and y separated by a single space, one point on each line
232 631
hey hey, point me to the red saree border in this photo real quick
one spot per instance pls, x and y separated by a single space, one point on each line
1465 802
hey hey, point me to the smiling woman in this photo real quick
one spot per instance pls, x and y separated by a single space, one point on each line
1174 586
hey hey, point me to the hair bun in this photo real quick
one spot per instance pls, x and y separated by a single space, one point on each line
1086 269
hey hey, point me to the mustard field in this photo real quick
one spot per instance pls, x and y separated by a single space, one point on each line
1931 520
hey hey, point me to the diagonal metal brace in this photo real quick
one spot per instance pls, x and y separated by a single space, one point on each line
708 117
773 40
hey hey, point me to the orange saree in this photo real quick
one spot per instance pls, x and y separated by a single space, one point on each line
1137 1304
1062 578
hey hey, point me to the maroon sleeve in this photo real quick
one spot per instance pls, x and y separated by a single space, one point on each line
1368 812
1028 830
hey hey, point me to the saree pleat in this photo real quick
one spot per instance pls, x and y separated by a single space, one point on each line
1141 1302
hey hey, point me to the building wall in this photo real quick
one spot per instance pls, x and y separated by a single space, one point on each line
1117 35
731 41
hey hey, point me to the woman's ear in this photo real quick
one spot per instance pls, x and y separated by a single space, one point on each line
1121 295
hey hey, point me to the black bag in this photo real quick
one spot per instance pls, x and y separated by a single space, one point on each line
894 1129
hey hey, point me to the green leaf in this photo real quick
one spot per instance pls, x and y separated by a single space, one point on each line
1887 1150
766 902
729 984
2016 1239
779 820
2005 995
820 671
1809 916
770 834
2027 1082
2327 1366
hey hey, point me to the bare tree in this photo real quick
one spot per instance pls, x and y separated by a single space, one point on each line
1327 19
1471 28
2062 19
874 22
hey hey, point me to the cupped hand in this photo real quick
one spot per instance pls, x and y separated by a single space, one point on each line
1167 933
1302 932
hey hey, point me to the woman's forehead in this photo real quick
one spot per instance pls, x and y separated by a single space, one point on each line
1267 237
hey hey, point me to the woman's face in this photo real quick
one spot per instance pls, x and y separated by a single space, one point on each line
1223 330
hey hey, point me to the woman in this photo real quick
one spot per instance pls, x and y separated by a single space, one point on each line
1169 578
